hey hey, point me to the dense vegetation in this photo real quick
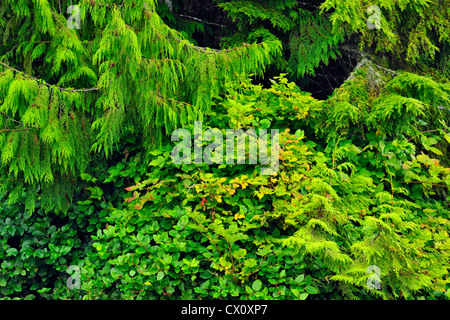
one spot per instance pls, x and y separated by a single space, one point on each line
87 177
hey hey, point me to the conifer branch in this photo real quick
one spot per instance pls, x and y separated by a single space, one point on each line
85 90
308 5
210 50
160 60
176 101
48 84
427 131
202 49
395 73
377 235
22 129
200 20
19 123
315 28
424 182
366 61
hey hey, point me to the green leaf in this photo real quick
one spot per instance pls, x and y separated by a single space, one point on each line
379 188
311 290
17 287
35 286
257 285
447 137
156 152
239 254
140 250
206 275
65 250
114 273
436 150
300 278
11 252
160 275
308 280
167 259
40 253
300 134
248 202
264 124
303 296
156 162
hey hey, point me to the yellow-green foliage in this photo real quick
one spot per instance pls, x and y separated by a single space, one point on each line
363 179
410 29
67 93
340 206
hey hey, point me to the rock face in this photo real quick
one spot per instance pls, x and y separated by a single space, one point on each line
169 4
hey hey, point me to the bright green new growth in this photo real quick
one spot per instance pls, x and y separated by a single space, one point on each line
123 71
342 207
363 178
308 33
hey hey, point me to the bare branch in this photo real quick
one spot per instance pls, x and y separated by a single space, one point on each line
48 84
28 127
200 20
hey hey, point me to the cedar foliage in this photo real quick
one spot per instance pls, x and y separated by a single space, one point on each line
363 180
339 206
412 34
66 93
307 33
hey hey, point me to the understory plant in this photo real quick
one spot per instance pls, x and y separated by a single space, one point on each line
318 227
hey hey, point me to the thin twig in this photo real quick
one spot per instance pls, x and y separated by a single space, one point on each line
379 231
23 129
48 84
200 20
209 50
308 4
428 131
19 123
424 182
